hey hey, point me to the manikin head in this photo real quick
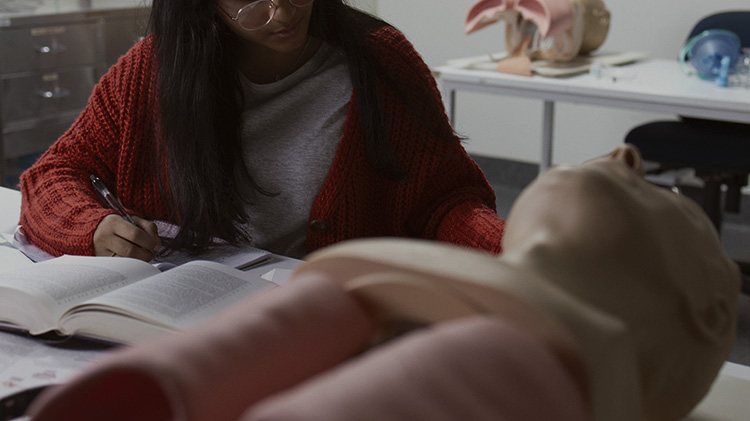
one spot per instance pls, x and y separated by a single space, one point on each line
641 253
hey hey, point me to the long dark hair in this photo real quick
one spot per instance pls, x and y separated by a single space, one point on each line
201 105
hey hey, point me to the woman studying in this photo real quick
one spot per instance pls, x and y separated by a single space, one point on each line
288 125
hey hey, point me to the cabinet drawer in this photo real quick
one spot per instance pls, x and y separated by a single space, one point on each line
33 140
121 34
44 47
44 94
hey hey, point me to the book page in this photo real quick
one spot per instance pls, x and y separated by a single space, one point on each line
22 244
34 297
236 257
10 258
180 297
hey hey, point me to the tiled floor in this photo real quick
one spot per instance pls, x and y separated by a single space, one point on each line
508 179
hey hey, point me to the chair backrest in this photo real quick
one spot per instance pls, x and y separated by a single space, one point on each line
735 21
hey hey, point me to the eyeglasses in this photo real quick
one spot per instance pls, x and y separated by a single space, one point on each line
259 13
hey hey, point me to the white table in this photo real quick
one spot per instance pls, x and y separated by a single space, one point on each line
10 209
654 85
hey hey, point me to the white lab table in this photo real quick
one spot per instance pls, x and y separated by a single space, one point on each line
652 85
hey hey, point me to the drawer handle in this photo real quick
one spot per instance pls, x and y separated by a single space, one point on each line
56 93
51 49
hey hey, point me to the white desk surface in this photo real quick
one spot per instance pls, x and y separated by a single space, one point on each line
727 400
651 85
10 209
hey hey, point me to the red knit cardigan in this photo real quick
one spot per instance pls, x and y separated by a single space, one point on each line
446 198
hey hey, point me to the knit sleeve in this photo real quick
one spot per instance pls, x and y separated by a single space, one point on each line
447 196
59 209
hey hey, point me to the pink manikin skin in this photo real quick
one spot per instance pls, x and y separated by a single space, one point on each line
552 17
471 368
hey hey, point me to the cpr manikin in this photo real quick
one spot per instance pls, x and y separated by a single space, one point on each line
613 300
556 30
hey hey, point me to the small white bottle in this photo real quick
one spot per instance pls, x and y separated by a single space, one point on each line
743 69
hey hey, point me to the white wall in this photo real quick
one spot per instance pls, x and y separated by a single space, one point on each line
366 5
510 127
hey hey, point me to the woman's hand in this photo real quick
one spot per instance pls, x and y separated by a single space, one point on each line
117 237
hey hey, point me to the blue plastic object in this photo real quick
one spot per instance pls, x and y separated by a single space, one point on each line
723 78
706 50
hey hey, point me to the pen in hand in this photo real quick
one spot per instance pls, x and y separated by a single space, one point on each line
109 199
113 202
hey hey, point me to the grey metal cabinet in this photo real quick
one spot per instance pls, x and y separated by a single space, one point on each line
52 53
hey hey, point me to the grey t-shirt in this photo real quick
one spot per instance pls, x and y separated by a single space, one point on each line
291 132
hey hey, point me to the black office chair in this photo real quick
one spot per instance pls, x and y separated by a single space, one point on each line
718 151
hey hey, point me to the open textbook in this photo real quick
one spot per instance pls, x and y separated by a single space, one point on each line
116 299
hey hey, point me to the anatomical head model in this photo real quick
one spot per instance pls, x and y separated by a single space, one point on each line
544 29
